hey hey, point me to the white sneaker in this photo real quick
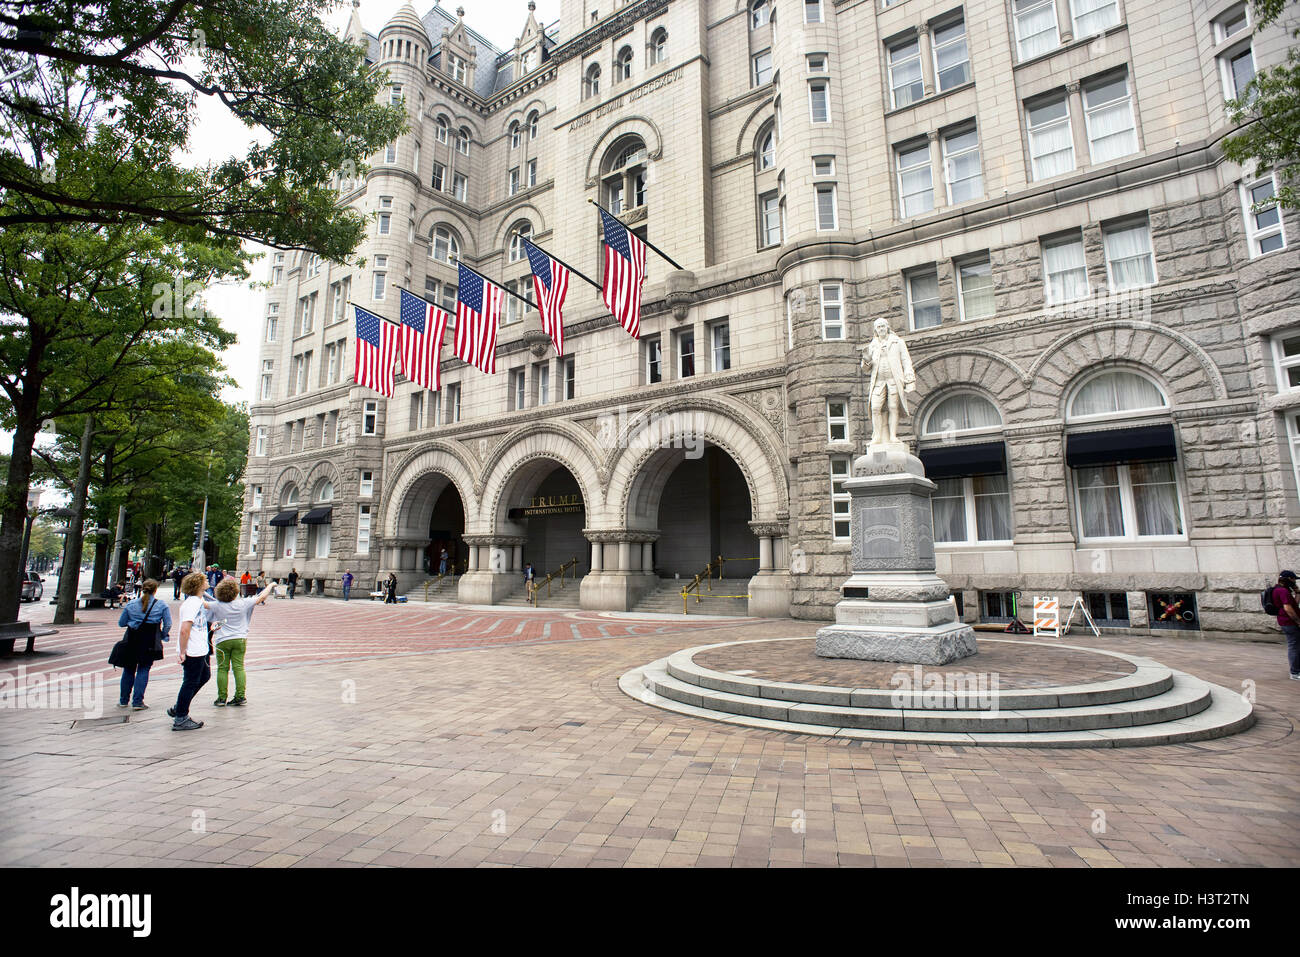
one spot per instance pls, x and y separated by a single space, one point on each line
1295 677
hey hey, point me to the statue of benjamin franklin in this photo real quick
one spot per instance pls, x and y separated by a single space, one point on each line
891 378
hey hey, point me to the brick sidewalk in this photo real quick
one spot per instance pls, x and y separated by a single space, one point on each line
527 754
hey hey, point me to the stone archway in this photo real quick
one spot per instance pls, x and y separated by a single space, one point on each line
427 508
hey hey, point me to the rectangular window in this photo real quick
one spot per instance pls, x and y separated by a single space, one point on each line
1286 355
1238 71
367 484
923 299
513 185
385 222
1064 270
1108 114
998 606
532 172
832 312
1093 16
837 420
253 535
390 153
395 94
1051 144
762 68
1130 263
823 165
1231 23
514 307
1036 27
819 101
271 323
370 418
812 11
951 59
453 403
816 62
769 220
416 420
961 162
448 303
1107 607
827 215
915 182
268 366
439 176
720 334
259 447
460 187
363 530
518 393
542 376
570 378
1264 230
339 292
905 81
685 354
841 500
653 361
1128 500
975 288
257 496
381 281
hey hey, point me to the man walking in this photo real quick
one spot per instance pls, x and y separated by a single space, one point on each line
176 583
194 650
347 585
1288 618
293 581
442 563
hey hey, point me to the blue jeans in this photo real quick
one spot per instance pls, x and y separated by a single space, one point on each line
347 590
1292 633
197 672
134 677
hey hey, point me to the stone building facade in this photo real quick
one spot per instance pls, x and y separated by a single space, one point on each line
1101 317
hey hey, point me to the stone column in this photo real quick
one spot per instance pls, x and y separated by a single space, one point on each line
937 179
597 556
620 587
517 558
648 557
765 553
624 556
487 582
1078 125
769 589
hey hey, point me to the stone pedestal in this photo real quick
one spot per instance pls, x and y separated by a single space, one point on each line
895 608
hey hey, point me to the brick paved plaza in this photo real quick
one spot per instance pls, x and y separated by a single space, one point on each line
444 735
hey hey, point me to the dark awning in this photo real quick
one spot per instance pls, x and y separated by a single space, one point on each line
285 518
318 516
1148 443
951 461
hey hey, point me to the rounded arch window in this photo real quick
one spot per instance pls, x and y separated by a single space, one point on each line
533 119
444 244
290 497
443 128
659 46
324 491
514 135
759 13
963 412
518 233
624 176
1116 393
591 82
766 148
623 65
462 140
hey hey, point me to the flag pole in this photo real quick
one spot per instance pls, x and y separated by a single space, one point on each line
582 276
672 262
523 299
373 313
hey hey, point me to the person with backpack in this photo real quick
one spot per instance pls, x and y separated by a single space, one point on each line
144 619
1280 600
293 581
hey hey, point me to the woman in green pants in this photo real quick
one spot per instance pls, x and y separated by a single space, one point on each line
229 617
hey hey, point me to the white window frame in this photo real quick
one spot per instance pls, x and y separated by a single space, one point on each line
819 89
531 178
827 189
823 166
1017 14
949 156
370 417
769 220
1254 234
834 421
259 446
253 535
460 187
257 496
1047 279
720 351
835 302
367 486
1128 508
654 360
1282 363
900 171
569 378
841 468
972 519
935 46
1109 230
958 266
1221 32
1031 130
390 152
1075 16
893 64
1229 79
512 185
1091 110
684 337
931 272
363 530
756 68
813 7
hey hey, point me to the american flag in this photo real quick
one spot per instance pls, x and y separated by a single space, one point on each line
624 273
550 283
478 313
377 345
423 325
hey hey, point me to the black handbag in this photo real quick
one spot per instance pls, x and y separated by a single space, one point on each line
121 655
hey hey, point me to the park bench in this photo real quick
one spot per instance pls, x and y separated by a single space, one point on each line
92 600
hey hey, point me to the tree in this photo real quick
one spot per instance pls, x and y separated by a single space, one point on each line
113 88
1270 109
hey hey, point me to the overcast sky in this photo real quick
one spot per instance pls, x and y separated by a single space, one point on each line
216 136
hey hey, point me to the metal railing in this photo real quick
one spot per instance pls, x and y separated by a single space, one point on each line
558 573
707 578
439 580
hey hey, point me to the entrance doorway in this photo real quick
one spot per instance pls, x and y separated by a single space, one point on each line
552 517
704 512
446 530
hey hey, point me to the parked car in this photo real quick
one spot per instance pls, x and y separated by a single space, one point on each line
33 587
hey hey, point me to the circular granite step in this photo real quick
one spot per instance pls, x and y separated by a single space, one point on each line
1146 703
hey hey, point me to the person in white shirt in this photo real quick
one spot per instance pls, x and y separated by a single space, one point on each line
194 650
230 617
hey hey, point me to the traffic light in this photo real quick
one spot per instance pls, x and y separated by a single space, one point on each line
196 536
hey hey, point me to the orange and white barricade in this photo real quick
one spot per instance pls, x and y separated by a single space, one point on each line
1047 617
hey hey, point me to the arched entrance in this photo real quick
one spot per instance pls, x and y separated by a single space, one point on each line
446 532
550 516
703 512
